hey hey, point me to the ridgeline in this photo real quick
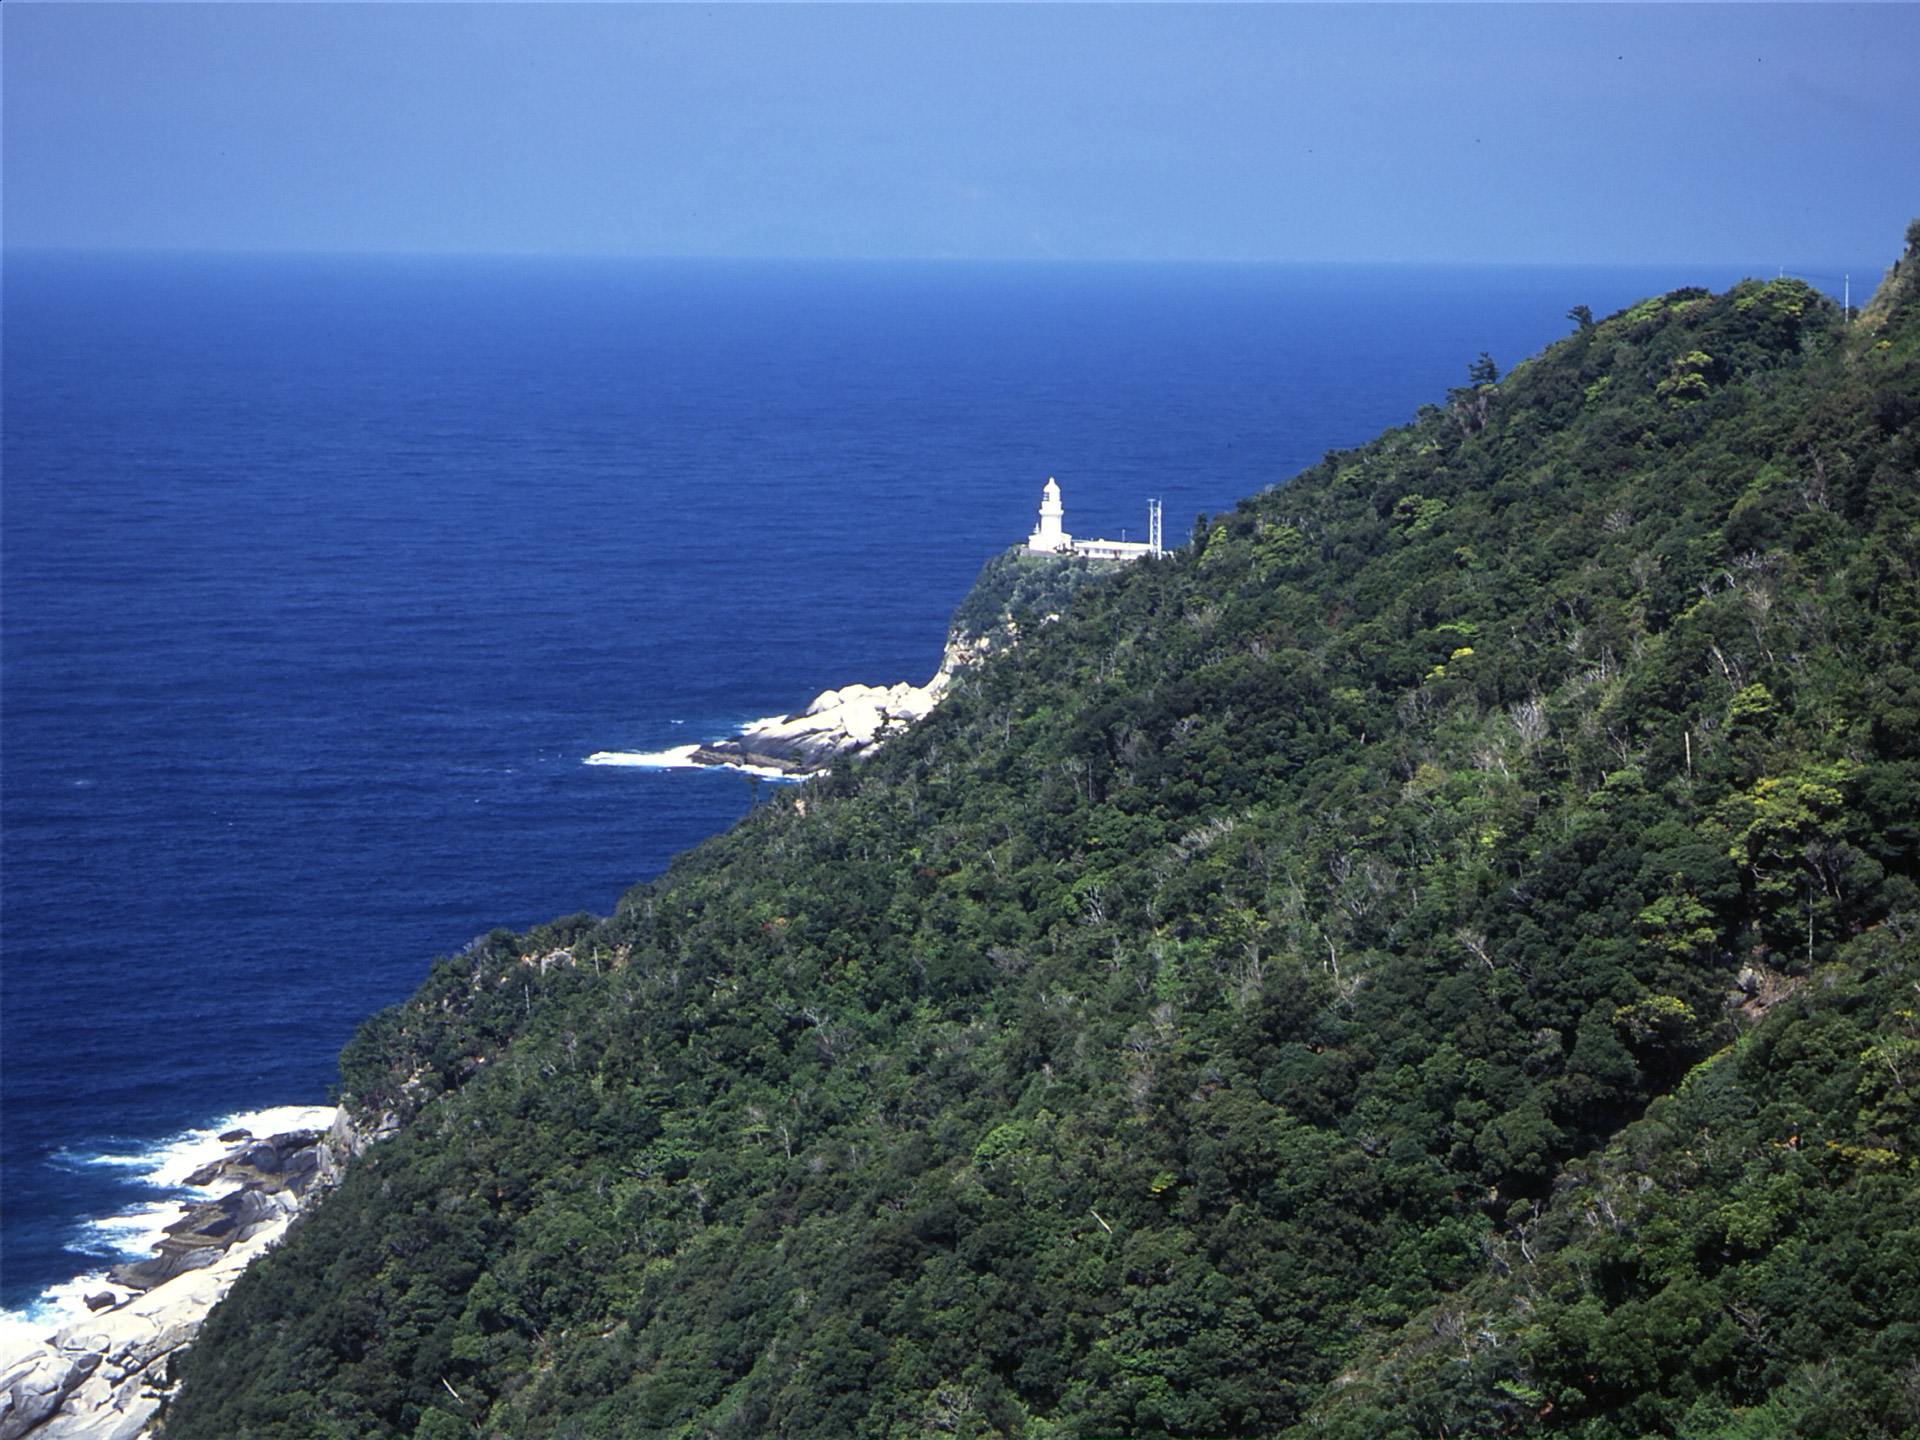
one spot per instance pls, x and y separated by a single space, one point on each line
1435 955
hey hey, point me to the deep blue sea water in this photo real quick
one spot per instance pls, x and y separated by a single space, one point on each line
320 578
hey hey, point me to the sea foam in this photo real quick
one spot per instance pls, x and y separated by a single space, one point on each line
680 757
131 1234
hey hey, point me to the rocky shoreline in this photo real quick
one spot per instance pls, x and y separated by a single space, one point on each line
104 1377
839 723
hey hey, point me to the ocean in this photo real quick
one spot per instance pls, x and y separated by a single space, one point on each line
320 578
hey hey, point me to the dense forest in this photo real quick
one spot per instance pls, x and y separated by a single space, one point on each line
1439 954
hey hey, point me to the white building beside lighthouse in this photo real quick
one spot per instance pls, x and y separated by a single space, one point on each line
1048 538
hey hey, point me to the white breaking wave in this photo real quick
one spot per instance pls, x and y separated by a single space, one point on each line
132 1233
680 757
168 1163
22 1331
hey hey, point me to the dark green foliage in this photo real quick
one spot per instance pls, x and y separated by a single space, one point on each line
1743 1261
1433 956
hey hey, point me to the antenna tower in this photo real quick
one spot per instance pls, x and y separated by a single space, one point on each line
1153 528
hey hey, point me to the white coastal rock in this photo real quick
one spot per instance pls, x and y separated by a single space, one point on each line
112 1365
36 1384
838 723
841 722
102 1376
855 714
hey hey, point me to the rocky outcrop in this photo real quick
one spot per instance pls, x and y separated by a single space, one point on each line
839 723
272 1176
103 1377
35 1385
842 723
352 1134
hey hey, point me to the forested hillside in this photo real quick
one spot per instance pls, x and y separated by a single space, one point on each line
1439 954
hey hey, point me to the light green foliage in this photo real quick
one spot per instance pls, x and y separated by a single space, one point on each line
1688 377
1417 513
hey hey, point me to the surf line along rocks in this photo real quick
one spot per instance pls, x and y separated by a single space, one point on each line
843 723
104 1376
839 723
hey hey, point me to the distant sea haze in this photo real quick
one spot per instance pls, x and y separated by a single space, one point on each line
322 577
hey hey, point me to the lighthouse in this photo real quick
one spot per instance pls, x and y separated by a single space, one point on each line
1049 538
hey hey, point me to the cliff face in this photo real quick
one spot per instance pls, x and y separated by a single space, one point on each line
1435 953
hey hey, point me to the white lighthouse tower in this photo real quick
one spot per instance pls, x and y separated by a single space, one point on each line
1049 538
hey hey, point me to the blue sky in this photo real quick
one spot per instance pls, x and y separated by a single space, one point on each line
1767 135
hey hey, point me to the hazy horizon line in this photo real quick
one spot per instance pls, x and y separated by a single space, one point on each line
1032 262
